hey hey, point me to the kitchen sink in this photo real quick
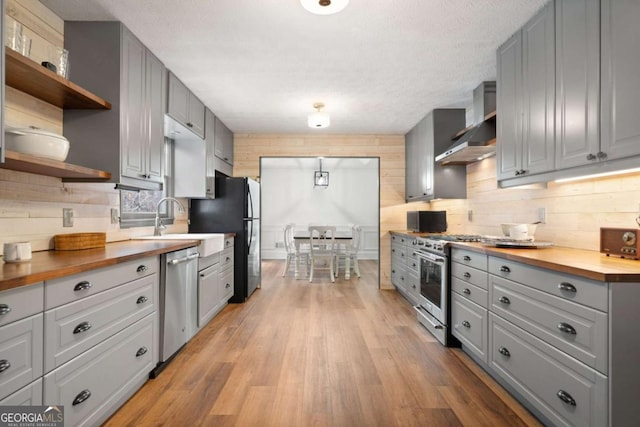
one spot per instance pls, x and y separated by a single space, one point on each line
210 243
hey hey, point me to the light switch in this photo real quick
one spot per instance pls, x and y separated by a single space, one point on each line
67 217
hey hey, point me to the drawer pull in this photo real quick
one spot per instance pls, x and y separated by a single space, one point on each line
393 250
467 275
466 291
228 286
142 268
566 328
566 397
4 309
228 259
141 351
81 397
414 286
393 272
466 324
82 327
505 269
4 365
504 300
503 351
82 286
142 300
466 258
565 286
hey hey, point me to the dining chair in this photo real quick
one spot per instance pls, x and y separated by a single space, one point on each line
350 251
322 250
301 256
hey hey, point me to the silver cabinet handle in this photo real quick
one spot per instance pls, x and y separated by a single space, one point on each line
503 351
591 156
4 365
466 324
228 259
466 258
466 291
414 265
566 397
81 397
82 286
82 327
228 285
467 275
142 268
393 250
566 328
566 286
414 286
504 300
4 309
142 300
505 269
141 351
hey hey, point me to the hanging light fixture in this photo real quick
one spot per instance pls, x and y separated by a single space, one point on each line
320 178
324 7
318 119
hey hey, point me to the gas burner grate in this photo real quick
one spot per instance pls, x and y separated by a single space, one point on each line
455 237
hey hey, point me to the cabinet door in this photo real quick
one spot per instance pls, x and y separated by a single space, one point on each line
210 153
577 82
2 4
412 165
208 294
509 121
538 92
133 130
620 135
196 115
178 106
224 142
155 78
427 155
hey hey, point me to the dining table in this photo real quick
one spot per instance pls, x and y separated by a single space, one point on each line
303 237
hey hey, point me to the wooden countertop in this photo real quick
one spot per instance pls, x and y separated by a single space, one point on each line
584 263
47 265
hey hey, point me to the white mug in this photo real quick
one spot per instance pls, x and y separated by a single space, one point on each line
16 252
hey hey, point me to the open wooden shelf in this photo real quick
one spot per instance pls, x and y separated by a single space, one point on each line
32 78
489 116
41 166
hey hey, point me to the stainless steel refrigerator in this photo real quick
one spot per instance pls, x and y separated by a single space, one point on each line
236 209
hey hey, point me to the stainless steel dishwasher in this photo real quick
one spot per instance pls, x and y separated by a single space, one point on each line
178 287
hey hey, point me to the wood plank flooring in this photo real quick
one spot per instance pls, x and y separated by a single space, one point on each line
320 354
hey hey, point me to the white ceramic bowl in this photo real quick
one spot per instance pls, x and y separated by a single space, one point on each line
37 142
512 229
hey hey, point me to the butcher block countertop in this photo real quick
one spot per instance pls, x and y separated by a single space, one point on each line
47 265
584 263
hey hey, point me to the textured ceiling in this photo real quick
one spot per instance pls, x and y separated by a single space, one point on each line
379 66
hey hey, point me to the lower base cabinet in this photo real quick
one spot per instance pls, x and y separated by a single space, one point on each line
26 396
93 384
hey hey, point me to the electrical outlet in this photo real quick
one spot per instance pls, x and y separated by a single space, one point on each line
67 217
114 216
470 215
542 215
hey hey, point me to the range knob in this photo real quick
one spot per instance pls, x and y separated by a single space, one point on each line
427 245
629 238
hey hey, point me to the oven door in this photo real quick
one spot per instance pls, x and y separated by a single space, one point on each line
433 285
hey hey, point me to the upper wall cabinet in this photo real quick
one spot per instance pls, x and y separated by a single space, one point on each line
127 140
526 99
184 107
223 142
425 179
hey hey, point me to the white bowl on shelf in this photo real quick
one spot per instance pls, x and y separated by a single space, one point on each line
519 230
37 142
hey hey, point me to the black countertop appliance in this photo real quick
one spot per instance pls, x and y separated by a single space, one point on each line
236 209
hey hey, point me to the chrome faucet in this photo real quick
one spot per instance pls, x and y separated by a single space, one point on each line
159 226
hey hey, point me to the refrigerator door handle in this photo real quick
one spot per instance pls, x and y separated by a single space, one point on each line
250 235
250 201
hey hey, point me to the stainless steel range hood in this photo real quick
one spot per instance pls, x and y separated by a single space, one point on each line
478 141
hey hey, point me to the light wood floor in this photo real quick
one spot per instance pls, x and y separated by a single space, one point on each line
320 354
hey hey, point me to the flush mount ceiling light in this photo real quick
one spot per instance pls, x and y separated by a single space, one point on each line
324 7
320 178
318 119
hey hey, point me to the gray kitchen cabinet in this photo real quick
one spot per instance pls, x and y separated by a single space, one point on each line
127 140
526 97
620 133
208 286
399 263
26 396
184 107
425 179
223 142
210 154
2 77
20 354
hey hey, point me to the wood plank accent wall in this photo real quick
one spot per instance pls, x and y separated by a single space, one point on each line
389 148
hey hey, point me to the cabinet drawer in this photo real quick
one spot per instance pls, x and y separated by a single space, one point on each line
471 292
578 330
413 261
28 395
21 302
540 373
398 273
412 285
226 258
399 251
469 325
470 274
20 354
470 258
208 261
76 327
72 288
573 288
226 285
107 374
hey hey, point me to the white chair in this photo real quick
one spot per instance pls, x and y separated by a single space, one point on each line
292 254
350 252
322 250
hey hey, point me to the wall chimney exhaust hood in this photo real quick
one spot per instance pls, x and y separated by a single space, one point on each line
476 142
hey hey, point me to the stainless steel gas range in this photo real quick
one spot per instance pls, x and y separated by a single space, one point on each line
433 307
